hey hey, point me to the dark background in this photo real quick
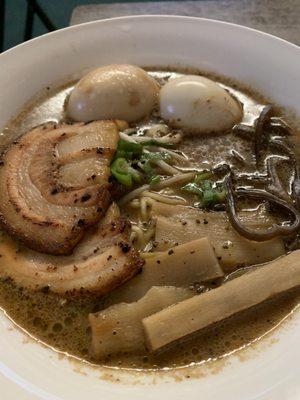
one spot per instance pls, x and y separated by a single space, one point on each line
277 17
59 12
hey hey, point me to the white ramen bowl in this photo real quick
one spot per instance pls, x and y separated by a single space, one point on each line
269 370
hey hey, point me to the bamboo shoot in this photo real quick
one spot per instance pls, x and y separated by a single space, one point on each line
192 262
200 311
179 224
119 328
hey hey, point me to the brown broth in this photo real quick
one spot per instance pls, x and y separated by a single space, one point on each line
62 323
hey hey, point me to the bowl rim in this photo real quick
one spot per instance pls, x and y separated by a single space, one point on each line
148 17
281 43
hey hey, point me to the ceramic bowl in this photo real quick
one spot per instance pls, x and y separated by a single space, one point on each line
270 369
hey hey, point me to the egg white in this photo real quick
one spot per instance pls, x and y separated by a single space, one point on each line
198 105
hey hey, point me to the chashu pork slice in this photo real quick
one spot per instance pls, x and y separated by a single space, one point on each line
102 261
55 183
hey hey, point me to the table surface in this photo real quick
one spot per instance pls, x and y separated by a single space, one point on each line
278 17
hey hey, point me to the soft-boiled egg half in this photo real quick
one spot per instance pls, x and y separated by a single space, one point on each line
113 92
198 105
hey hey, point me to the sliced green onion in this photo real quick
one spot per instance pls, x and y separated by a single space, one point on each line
128 150
192 188
154 179
207 185
131 153
147 168
124 173
213 197
203 176
205 190
149 171
156 156
153 142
